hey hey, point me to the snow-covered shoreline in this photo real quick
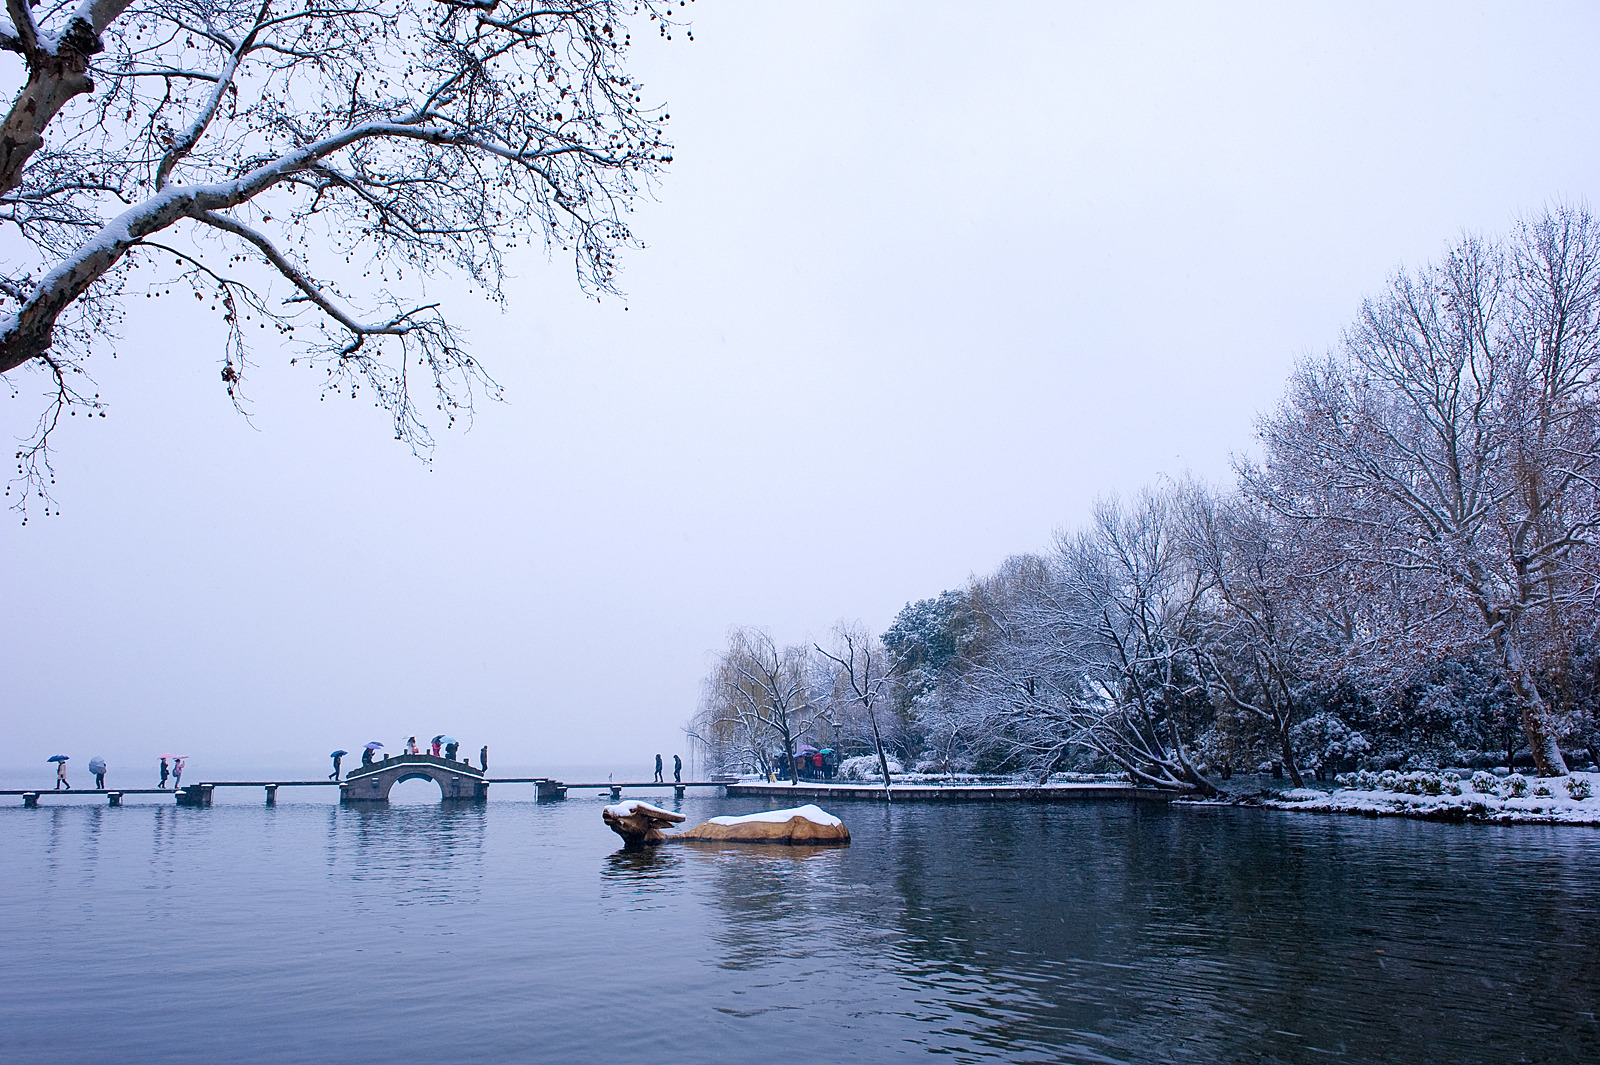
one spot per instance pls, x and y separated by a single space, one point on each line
1433 796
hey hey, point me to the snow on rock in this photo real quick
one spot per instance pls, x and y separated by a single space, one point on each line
1573 799
809 811
632 806
638 823
804 824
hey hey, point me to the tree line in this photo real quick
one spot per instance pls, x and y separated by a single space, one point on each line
1402 573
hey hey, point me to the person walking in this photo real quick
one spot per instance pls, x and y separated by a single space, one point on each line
658 769
436 746
366 756
677 770
99 776
177 772
165 772
411 746
450 750
61 775
336 760
483 757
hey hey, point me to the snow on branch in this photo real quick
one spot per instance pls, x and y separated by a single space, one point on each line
295 156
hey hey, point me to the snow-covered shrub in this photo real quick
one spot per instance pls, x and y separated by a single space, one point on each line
864 769
1322 740
1452 787
1515 786
1578 788
1541 790
1388 780
1485 783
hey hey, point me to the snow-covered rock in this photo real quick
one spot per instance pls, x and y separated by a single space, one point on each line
803 824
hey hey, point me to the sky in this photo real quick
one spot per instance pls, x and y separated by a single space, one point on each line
923 281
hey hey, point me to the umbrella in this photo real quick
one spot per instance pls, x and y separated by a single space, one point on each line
338 754
446 739
97 765
56 758
166 756
374 745
438 739
805 748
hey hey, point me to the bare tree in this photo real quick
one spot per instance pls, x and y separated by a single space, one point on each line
1263 644
1098 649
758 694
1456 436
861 680
220 146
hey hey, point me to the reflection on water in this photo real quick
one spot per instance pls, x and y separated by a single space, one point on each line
307 932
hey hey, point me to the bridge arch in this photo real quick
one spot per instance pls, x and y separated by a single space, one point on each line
458 781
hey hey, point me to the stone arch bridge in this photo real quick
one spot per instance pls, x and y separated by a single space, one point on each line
458 781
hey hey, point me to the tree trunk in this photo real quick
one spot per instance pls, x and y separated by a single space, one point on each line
883 759
1543 743
1288 758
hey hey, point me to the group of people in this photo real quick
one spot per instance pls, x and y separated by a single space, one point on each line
176 772
809 765
440 747
172 769
677 770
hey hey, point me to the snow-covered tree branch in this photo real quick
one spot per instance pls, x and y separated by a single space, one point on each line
305 167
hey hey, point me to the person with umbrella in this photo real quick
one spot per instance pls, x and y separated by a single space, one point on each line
451 746
61 771
366 752
337 756
438 741
165 772
97 766
411 746
177 771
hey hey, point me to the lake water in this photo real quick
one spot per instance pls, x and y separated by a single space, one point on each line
515 932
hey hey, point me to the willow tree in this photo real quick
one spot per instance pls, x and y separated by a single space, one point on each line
302 166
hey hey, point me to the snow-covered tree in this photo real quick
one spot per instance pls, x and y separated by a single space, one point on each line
1456 434
856 684
1097 650
302 168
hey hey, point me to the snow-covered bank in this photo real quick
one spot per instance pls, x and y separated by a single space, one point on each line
1444 796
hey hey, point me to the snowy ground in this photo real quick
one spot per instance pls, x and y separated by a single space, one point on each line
955 779
1446 796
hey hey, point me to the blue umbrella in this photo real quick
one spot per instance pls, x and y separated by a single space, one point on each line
56 758
448 739
374 745
338 754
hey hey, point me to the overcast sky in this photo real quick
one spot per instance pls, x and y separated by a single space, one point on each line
923 281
